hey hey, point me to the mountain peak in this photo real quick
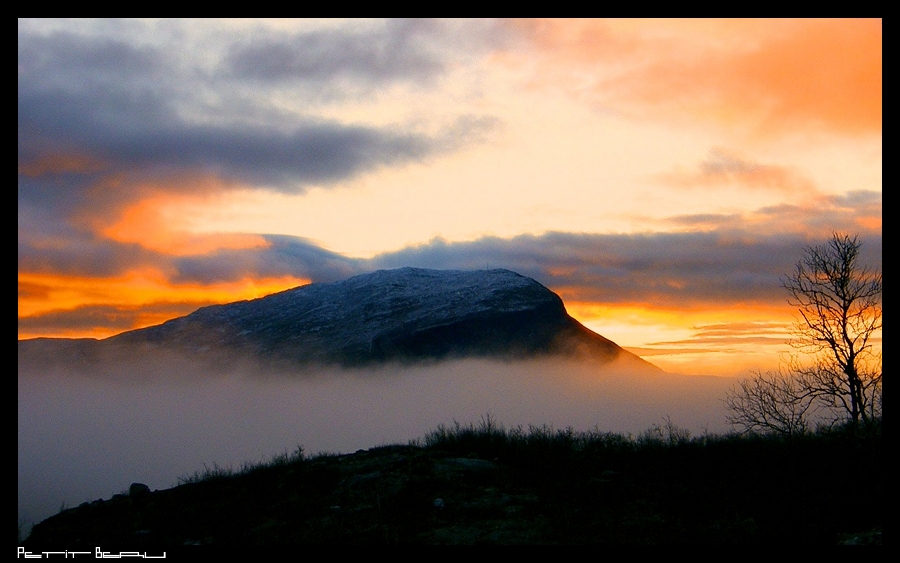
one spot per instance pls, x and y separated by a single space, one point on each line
405 314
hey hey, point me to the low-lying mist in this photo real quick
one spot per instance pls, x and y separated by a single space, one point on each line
83 437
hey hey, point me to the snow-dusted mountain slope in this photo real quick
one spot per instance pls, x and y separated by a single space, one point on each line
407 314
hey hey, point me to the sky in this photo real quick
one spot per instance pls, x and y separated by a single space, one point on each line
660 175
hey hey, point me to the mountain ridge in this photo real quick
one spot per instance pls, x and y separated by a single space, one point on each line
405 314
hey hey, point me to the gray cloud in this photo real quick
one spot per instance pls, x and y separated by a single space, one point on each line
140 131
74 253
854 211
867 200
286 256
400 50
670 269
136 108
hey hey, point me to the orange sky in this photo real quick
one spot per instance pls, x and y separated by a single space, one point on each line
659 174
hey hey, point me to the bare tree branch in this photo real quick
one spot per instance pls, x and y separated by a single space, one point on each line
840 313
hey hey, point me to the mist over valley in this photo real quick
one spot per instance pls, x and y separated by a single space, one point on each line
82 437
378 359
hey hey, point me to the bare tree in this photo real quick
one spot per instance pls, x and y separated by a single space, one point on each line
771 402
839 305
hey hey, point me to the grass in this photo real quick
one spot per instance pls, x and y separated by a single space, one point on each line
534 485
729 487
219 472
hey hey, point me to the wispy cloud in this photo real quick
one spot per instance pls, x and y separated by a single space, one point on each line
764 77
722 168
812 218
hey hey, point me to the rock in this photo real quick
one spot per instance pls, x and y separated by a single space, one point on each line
138 490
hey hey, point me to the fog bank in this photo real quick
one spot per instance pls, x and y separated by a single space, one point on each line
82 437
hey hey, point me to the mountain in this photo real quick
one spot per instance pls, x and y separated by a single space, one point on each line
406 314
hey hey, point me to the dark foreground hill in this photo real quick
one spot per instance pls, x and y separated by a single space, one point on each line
487 485
407 315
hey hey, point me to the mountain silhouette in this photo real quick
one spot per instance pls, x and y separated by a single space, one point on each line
405 314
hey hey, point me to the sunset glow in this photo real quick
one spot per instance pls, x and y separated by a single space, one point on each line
659 175
112 305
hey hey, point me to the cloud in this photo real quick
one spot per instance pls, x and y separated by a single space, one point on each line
706 221
361 57
811 218
658 271
740 328
719 337
715 269
88 258
398 50
647 352
285 255
73 253
129 138
859 212
118 121
116 318
95 107
724 168
666 269
726 340
83 285
768 77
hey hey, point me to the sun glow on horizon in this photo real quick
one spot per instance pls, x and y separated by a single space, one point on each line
138 299
696 340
